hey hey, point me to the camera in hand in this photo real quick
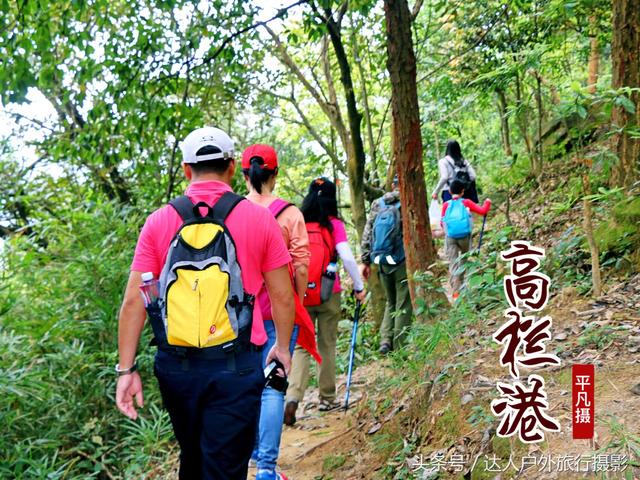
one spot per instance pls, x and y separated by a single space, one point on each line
275 376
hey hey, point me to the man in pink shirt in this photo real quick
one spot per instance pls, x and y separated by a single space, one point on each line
213 402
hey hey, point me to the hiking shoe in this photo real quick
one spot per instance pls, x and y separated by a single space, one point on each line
385 348
290 413
326 405
270 475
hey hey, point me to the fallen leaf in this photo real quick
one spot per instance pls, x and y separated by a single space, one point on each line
466 399
376 427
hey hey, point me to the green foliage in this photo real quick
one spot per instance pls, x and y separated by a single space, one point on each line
126 80
624 442
611 237
618 236
480 417
57 349
333 462
599 337
567 261
627 211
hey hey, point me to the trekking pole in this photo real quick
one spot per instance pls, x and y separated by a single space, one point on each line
484 220
354 331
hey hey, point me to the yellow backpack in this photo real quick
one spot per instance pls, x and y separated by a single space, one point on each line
203 303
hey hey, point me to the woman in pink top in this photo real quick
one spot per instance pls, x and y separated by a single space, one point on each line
260 168
320 208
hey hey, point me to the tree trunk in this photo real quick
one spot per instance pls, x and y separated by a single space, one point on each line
504 123
625 55
594 57
355 154
436 140
539 149
588 230
407 142
367 111
522 120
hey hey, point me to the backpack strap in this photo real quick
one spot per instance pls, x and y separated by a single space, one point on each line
225 204
278 206
184 206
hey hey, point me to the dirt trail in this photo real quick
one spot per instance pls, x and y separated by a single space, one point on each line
605 333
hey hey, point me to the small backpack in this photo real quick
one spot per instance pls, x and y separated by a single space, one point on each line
202 299
386 242
323 252
457 220
460 174
276 208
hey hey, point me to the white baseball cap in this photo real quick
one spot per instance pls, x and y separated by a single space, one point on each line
206 137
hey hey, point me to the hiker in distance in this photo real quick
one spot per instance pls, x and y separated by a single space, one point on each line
382 245
327 241
453 166
458 227
260 169
212 251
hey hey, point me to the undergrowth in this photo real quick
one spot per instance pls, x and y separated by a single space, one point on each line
58 339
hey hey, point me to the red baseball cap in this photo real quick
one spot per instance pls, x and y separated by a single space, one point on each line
265 152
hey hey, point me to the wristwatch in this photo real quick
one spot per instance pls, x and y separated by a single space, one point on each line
126 371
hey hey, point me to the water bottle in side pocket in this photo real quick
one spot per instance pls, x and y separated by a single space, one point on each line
149 289
328 280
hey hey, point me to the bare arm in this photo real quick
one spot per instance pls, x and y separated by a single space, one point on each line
130 325
283 309
301 280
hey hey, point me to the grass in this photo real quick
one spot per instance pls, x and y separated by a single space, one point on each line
333 462
58 340
625 443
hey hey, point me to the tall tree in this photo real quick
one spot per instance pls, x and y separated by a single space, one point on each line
625 56
330 23
407 140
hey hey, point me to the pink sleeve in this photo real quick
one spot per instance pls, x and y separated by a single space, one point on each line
275 252
339 232
146 258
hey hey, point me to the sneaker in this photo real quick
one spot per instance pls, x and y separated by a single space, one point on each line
270 475
385 348
326 405
290 413
455 296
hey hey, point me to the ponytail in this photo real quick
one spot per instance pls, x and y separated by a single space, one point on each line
257 174
454 151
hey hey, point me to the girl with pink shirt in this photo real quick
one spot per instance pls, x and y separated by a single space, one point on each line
320 207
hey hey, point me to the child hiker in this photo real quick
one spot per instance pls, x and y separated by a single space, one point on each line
457 224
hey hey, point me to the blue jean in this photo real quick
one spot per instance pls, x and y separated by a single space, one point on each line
272 410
